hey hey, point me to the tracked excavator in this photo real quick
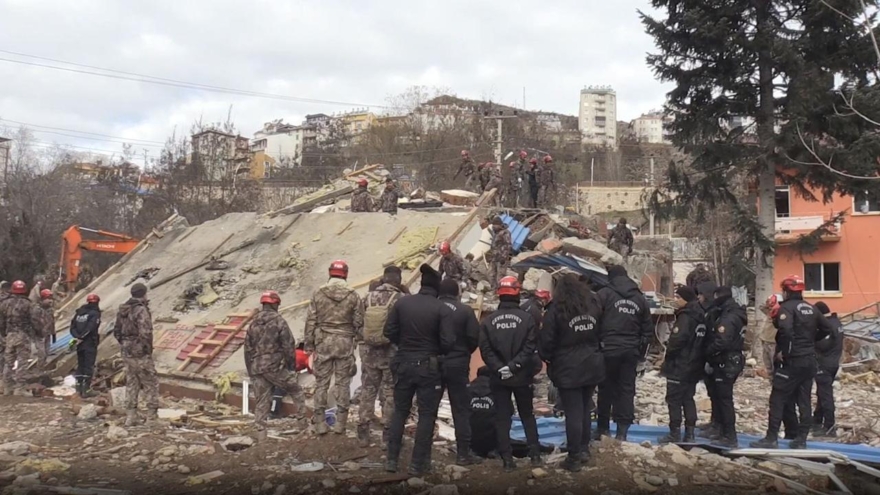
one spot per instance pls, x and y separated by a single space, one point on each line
73 245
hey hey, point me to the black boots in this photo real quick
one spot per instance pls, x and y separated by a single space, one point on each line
713 431
464 457
391 466
600 432
572 464
800 442
689 435
84 387
728 441
363 435
771 441
621 432
674 436
509 465
535 456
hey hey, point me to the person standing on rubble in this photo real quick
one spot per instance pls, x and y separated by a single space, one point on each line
84 328
485 175
495 181
46 335
452 266
514 186
765 344
706 297
468 169
361 202
455 368
570 342
620 239
270 359
534 174
19 323
626 330
421 327
829 350
683 365
799 327
4 295
547 182
508 346
725 361
484 440
390 197
335 319
376 355
134 332
535 306
499 253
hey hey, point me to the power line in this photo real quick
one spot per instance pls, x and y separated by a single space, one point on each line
132 76
124 139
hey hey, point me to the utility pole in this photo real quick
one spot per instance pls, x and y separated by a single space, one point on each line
651 212
499 141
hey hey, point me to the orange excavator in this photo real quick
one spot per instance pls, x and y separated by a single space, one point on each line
73 244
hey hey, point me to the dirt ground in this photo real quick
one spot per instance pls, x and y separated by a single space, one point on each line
98 457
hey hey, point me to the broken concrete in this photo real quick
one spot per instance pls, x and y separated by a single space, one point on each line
588 248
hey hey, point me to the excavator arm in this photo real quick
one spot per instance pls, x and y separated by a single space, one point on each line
72 246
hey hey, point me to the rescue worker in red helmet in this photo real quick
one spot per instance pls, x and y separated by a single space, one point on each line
46 334
547 182
507 345
334 322
84 328
799 326
361 201
19 323
533 173
467 168
270 359
452 265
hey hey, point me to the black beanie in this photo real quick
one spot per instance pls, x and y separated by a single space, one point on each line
449 287
686 293
615 271
823 308
430 277
138 290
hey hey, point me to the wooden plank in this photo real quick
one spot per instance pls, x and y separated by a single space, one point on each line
197 355
229 327
199 265
289 224
225 341
397 235
224 241
308 205
345 228
361 171
211 342
187 233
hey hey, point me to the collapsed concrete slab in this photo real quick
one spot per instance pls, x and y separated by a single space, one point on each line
588 248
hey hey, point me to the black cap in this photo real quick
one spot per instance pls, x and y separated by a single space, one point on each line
430 277
138 290
823 308
392 270
449 287
615 271
686 293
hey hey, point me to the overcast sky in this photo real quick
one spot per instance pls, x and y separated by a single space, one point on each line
348 51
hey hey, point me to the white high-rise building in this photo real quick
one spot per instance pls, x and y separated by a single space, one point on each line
597 116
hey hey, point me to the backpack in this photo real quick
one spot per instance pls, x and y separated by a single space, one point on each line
374 323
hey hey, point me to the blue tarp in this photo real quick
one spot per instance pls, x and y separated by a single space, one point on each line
597 275
518 233
551 432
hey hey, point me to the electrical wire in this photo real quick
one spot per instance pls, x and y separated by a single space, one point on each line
125 139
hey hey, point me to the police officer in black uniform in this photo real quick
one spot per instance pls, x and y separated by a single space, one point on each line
571 344
799 326
484 441
455 368
508 347
725 360
84 329
420 326
683 365
829 350
626 333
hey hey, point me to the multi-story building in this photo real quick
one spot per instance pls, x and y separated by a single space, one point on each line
282 142
845 270
357 121
649 128
220 155
597 116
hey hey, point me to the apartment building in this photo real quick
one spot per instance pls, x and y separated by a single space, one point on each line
649 128
597 116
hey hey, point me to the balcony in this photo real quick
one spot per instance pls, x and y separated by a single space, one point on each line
789 229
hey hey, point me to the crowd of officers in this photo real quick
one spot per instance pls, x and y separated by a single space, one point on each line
27 326
528 183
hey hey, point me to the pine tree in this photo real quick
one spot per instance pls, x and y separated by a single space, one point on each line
774 63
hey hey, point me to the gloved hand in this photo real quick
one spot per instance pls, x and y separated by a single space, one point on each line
708 369
505 373
72 345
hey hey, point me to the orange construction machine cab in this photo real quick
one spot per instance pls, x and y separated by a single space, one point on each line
72 246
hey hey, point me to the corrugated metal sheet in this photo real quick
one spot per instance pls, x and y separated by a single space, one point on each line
551 432
518 232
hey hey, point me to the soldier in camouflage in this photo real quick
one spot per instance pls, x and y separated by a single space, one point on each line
376 354
360 198
134 331
467 168
19 323
270 359
390 197
499 253
547 182
4 295
484 174
620 239
46 333
452 265
495 181
335 318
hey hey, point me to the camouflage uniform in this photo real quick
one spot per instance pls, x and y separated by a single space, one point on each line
134 331
46 331
620 239
547 183
335 318
468 169
361 200
389 201
375 365
3 296
502 245
495 182
270 358
19 323
452 266
485 175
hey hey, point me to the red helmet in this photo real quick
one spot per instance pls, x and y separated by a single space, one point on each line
548 159
270 297
465 153
533 161
793 283
542 294
445 248
523 154
362 182
339 269
19 287
93 298
508 286
45 294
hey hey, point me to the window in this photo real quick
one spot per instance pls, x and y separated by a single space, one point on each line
267 168
783 201
866 203
822 277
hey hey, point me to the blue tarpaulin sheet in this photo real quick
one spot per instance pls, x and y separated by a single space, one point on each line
551 432
597 275
518 233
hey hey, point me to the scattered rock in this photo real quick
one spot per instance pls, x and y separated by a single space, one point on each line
204 478
235 444
646 444
198 450
267 487
309 467
539 473
642 483
351 466
416 482
444 490
328 483
183 469
115 433
672 481
454 468
354 489
344 476
27 480
699 479
117 397
88 411
138 459
683 459
169 451
163 460
171 414
45 465
654 480
280 489
16 448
